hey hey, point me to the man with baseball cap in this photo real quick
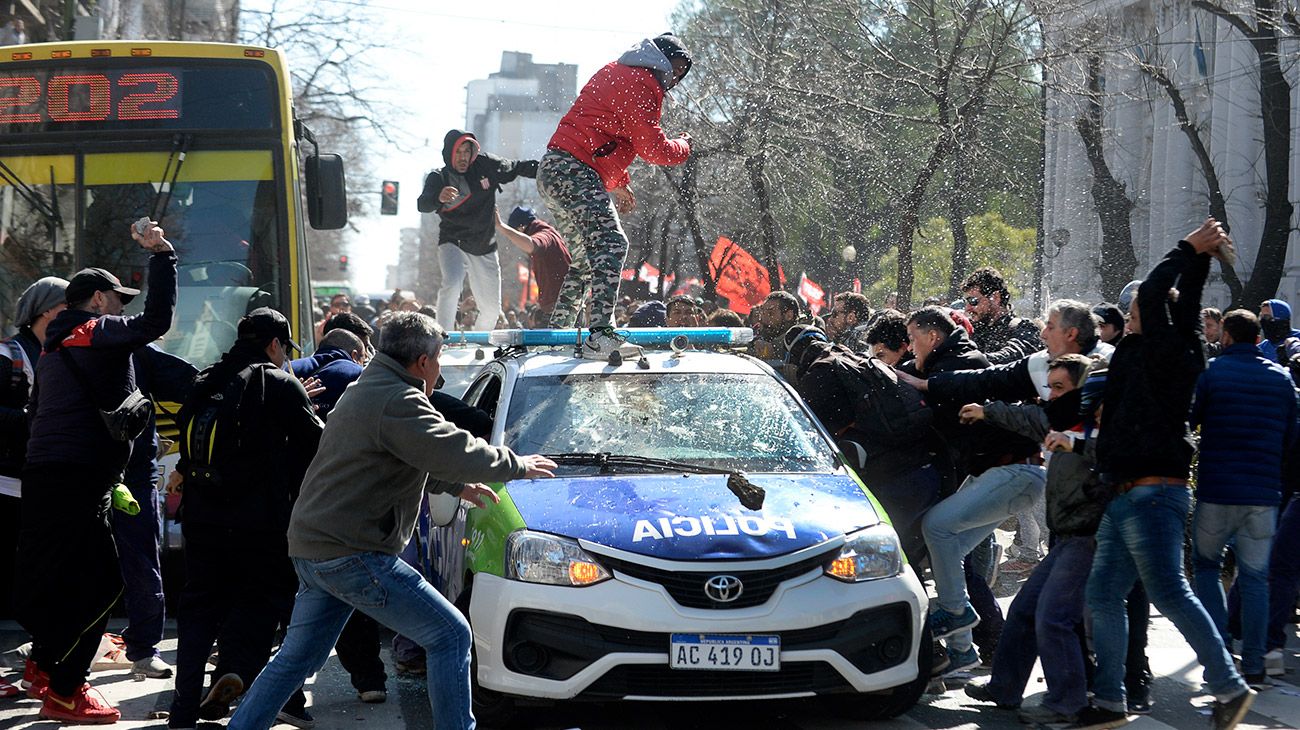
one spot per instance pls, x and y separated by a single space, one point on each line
249 432
67 559
548 254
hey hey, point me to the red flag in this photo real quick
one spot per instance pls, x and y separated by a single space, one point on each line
811 293
739 276
857 286
628 274
648 273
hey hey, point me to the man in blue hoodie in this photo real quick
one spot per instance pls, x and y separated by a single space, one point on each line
1246 409
463 193
1280 342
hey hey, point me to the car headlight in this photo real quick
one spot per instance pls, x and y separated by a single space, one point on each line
535 557
868 554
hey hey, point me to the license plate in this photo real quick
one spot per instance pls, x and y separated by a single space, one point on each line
746 653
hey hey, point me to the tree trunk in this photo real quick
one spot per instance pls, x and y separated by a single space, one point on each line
685 192
1275 106
1109 197
1218 206
909 218
957 222
767 224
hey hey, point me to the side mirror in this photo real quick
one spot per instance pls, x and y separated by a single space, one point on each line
327 192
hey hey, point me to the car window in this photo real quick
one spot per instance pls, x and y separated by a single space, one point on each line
745 422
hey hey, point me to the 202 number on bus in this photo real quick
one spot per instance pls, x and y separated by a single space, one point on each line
90 97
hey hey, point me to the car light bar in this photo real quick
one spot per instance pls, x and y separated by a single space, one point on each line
646 336
473 337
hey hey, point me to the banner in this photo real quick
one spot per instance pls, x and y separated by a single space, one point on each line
739 276
811 293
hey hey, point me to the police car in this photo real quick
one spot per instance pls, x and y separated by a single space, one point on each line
702 538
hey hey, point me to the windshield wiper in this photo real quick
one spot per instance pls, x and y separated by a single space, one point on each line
47 210
750 495
163 198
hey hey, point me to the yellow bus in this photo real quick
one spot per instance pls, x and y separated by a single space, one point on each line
200 136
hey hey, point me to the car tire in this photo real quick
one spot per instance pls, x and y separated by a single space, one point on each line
893 702
491 708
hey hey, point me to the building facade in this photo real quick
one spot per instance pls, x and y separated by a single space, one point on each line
1216 71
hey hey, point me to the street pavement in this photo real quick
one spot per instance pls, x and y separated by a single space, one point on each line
1179 701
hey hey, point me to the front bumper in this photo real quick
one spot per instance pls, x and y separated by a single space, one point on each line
610 640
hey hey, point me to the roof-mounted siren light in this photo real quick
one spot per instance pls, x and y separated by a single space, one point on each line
644 336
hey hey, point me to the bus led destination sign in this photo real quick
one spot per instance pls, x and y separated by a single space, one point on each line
44 97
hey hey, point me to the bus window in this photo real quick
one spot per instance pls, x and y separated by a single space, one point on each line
222 220
37 222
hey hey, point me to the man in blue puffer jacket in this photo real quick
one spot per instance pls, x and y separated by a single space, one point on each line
1246 409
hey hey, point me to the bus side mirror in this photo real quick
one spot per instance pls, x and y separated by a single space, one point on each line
327 192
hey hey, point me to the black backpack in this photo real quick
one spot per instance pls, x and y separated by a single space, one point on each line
211 425
891 412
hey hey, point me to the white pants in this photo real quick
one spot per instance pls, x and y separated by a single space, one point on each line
484 282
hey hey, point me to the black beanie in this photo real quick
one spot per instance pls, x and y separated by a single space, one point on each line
672 47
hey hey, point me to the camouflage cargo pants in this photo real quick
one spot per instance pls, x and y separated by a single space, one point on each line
584 213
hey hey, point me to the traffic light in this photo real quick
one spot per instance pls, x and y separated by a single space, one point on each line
343 262
388 198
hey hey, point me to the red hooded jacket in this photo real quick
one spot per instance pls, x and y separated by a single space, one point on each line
616 118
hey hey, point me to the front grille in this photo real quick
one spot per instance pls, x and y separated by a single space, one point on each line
654 680
558 646
686 586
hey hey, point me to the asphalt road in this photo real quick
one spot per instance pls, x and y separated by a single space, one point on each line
1179 702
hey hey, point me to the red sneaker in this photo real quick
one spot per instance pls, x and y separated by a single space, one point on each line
84 707
35 680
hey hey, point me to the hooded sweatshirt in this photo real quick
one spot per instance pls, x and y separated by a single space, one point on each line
1283 337
616 117
469 220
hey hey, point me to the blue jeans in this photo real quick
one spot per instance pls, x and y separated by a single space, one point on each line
957 524
1250 529
138 538
1141 536
389 591
1043 622
1283 574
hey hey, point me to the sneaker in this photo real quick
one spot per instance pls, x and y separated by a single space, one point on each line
35 681
1018 566
1039 715
410 669
1275 663
152 667
981 693
1138 696
373 696
111 654
216 705
960 661
1226 715
299 718
940 661
1097 718
604 340
9 690
944 624
84 707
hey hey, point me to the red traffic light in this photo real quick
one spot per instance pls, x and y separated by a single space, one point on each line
390 187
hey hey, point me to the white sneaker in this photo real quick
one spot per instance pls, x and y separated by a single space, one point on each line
1275 663
151 667
604 340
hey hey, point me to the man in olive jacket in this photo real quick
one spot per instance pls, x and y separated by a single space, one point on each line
383 447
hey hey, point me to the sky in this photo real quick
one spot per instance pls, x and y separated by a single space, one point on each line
438 47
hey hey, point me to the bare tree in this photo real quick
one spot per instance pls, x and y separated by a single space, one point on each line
1109 196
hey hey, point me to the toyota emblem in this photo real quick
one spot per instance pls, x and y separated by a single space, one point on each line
723 588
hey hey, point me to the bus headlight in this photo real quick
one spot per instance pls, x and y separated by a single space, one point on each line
869 554
535 557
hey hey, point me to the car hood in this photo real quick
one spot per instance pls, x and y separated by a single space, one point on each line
695 516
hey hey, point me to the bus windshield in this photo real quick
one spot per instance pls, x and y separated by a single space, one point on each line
221 216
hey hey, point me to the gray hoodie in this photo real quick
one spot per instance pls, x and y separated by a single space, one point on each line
383 447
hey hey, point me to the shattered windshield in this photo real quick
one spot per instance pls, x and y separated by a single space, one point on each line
740 422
